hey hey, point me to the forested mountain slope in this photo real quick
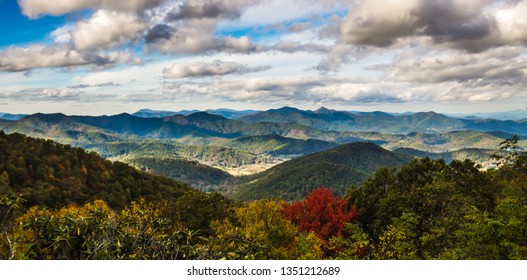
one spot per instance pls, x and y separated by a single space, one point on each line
335 168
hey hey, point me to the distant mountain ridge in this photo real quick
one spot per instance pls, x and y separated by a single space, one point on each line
227 113
514 115
238 123
11 117
330 120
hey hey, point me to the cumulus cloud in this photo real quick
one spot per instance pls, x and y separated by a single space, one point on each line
191 27
205 9
340 54
505 65
38 8
456 24
165 26
197 39
15 59
106 29
369 24
35 56
159 32
477 94
206 69
41 94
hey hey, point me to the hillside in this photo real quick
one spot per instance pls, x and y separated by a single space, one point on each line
210 155
483 157
199 176
276 145
325 119
435 142
337 168
50 174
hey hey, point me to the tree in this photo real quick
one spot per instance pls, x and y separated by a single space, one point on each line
94 231
512 149
196 210
321 212
414 212
259 231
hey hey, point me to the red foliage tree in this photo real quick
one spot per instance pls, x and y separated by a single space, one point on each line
321 212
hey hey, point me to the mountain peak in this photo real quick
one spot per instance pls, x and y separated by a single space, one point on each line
324 110
56 117
205 116
285 109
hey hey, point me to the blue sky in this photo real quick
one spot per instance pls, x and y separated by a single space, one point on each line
17 29
106 57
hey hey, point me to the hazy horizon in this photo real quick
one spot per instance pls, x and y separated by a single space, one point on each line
261 110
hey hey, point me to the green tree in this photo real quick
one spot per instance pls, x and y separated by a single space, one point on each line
414 212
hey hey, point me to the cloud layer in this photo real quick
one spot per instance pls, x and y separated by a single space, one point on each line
355 52
208 69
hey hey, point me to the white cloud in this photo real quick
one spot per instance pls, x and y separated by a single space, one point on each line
473 26
199 38
40 94
36 56
207 69
379 23
38 8
512 23
106 29
40 56
504 65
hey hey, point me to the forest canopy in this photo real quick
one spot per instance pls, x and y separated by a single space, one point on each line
59 202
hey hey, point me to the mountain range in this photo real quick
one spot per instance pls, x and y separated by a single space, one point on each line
332 120
205 150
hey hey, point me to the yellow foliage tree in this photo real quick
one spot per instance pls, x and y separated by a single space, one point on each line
259 231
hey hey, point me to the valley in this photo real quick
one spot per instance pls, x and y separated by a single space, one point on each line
239 153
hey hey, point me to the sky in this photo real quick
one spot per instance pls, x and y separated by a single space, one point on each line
95 57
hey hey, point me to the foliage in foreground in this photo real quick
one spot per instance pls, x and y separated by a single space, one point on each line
425 210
